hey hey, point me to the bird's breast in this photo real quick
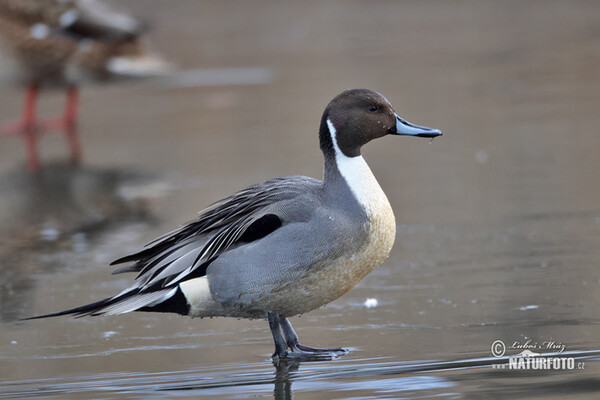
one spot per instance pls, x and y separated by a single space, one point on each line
329 280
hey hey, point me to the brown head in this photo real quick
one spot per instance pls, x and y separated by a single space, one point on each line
360 115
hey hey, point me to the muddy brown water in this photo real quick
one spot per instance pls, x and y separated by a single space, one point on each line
498 220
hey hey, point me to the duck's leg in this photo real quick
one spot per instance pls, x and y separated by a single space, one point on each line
71 126
292 342
27 127
30 127
68 124
280 346
289 339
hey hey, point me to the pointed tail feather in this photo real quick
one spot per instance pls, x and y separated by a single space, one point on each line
88 309
122 303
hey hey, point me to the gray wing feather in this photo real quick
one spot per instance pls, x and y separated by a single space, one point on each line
183 262
171 258
137 301
247 273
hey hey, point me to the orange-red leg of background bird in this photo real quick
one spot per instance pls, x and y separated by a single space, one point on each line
27 127
27 120
30 128
67 123
71 126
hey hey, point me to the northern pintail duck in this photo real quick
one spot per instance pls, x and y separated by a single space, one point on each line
282 247
65 43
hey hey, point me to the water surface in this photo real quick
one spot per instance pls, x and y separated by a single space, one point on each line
498 220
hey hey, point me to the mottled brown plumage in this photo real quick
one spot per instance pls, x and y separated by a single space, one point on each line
64 43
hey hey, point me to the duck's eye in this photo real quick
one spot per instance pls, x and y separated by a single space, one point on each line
373 108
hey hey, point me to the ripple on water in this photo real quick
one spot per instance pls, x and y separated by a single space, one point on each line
355 377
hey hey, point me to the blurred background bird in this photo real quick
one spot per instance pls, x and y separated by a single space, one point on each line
63 44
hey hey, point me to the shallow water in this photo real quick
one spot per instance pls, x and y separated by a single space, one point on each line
498 220
359 378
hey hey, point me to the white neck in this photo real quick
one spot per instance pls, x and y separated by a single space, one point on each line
357 174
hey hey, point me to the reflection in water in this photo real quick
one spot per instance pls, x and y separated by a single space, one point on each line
58 209
368 377
283 384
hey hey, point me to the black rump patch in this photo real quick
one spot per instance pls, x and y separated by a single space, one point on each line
261 227
174 304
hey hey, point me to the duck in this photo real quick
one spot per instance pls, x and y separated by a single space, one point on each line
280 248
63 44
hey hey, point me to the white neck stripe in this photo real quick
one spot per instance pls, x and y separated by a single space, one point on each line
356 173
332 133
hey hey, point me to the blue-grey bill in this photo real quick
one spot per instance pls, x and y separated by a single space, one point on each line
403 127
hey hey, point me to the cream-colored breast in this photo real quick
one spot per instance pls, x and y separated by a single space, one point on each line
329 282
325 283
382 223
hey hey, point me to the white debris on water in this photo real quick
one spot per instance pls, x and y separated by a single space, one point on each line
448 302
370 303
49 232
529 307
481 156
109 334
143 191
